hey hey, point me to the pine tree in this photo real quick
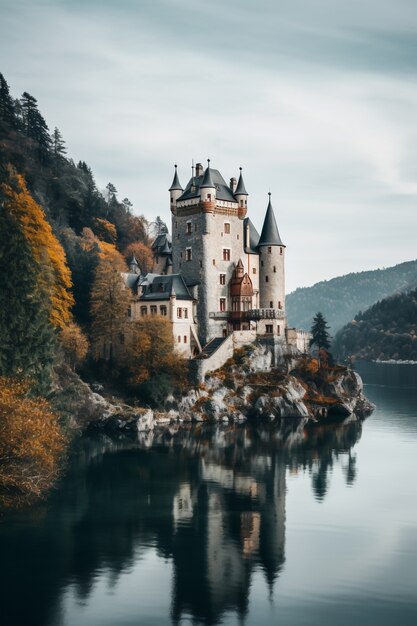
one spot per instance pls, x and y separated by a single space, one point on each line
111 192
6 103
319 331
35 126
58 144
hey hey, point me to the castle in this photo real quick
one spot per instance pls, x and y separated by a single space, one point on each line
216 276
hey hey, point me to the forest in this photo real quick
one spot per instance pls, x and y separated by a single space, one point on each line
63 246
341 298
385 331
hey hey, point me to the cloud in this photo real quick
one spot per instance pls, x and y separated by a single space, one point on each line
315 100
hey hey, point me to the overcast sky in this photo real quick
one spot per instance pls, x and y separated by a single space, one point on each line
315 99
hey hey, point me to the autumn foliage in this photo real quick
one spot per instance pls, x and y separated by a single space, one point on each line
31 444
142 253
54 277
74 343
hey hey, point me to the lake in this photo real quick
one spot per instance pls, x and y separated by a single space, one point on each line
215 525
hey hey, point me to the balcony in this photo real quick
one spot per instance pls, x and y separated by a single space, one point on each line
263 314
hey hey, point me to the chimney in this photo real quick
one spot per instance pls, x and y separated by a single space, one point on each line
233 184
199 169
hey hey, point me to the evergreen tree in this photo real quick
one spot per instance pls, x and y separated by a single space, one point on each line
111 192
58 144
319 331
6 103
35 126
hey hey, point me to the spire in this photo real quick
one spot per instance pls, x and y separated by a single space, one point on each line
176 185
240 189
134 265
207 179
270 234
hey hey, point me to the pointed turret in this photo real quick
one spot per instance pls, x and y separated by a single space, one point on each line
175 191
208 190
272 272
270 234
207 179
134 266
241 196
176 185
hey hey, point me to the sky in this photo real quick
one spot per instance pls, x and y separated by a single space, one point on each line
315 99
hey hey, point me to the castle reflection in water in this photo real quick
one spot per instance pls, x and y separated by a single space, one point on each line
210 500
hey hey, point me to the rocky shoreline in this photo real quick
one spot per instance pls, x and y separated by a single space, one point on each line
249 387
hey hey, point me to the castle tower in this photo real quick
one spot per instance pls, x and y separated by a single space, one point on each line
175 190
241 196
208 190
272 272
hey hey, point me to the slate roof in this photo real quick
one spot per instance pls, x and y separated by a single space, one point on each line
161 286
223 191
253 237
270 234
162 245
132 280
241 189
176 185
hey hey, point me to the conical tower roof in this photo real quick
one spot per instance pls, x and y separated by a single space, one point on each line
240 189
207 178
133 261
270 234
176 185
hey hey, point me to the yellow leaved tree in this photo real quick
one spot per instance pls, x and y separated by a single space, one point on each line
54 276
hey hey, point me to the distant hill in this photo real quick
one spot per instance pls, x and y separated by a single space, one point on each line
341 298
388 330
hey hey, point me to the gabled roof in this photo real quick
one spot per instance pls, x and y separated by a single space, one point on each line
240 189
162 244
270 234
223 191
176 185
162 286
253 237
132 280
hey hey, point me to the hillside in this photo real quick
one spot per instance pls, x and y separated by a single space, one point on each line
341 298
388 330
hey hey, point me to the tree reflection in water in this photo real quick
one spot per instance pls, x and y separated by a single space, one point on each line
209 498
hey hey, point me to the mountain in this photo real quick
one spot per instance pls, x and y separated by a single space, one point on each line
387 330
341 298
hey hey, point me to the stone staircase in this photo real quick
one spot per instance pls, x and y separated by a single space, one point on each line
210 348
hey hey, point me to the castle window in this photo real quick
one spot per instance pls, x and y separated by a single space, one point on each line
254 270
269 329
201 263
278 329
269 249
222 279
279 304
188 254
222 304
154 310
185 338
227 228
179 338
186 314
280 250
188 228
267 279
214 261
179 312
163 310
271 304
226 254
241 203
143 310
237 237
275 269
262 263
129 311
209 197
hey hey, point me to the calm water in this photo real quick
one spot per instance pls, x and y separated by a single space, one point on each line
229 527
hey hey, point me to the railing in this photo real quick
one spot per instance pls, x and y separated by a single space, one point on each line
252 314
264 314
